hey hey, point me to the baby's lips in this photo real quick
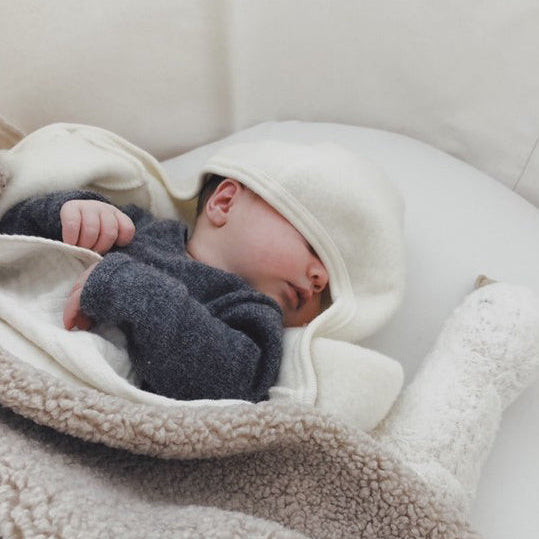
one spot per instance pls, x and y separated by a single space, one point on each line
292 296
303 295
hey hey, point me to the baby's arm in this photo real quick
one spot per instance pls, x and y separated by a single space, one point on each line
180 348
40 215
82 218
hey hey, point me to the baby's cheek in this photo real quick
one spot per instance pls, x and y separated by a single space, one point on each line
275 263
301 317
313 308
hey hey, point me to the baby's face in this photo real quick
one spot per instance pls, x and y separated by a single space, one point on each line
274 258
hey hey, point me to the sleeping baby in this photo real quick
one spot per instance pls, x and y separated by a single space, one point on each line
203 316
203 307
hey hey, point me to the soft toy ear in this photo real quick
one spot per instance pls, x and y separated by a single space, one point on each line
357 384
4 173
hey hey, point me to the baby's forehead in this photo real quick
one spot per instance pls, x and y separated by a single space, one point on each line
264 207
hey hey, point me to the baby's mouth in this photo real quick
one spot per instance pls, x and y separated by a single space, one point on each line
292 296
299 295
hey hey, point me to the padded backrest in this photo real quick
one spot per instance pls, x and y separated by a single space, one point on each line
172 74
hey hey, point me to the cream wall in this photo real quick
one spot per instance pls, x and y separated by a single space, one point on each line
173 74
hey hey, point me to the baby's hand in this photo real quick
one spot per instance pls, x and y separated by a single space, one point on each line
73 316
95 225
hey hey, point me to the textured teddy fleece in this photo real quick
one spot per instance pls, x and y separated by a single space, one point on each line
277 462
193 331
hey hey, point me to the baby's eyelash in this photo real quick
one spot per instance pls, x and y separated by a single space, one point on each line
310 247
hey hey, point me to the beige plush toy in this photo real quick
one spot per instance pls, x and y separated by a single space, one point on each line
445 422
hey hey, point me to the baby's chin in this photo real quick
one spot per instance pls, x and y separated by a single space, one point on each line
299 318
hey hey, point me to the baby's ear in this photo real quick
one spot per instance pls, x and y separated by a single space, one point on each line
354 383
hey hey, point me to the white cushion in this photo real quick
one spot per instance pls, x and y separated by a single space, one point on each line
459 223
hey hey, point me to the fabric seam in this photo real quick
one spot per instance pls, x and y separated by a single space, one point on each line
527 164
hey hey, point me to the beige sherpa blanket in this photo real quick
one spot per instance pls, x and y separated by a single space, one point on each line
76 462
288 467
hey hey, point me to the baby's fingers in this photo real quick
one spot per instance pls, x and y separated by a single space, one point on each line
108 231
73 317
90 227
126 228
95 225
71 218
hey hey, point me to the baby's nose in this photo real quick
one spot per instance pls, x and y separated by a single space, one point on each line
318 275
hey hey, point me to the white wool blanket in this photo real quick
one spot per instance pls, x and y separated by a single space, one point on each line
357 384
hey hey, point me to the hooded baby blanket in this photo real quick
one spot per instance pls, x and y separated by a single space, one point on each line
341 203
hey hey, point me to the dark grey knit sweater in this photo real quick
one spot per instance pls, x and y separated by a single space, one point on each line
193 331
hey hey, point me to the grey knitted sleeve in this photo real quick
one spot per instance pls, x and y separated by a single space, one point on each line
40 215
228 348
192 333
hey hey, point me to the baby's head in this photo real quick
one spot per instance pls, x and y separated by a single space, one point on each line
238 231
280 203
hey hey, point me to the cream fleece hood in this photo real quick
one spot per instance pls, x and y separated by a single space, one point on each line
344 205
